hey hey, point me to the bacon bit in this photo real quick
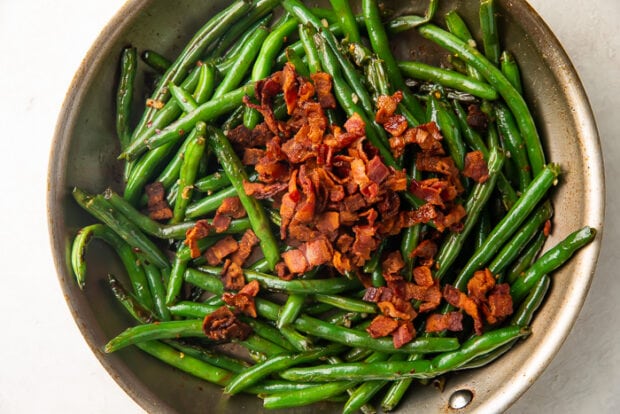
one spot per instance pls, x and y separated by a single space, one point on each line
547 228
231 208
396 125
480 284
355 125
252 156
289 87
423 276
398 308
244 299
426 249
381 326
451 321
378 172
365 243
246 244
200 230
378 294
403 334
341 263
157 205
318 252
262 191
499 304
323 87
476 167
431 298
477 119
240 137
216 253
452 219
392 265
460 300
223 325
295 261
386 106
232 276
154 103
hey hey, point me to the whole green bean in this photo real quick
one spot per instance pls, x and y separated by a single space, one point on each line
526 258
175 282
361 371
347 19
449 129
152 331
305 396
210 203
257 372
184 99
448 78
291 309
236 173
205 355
511 71
189 170
347 303
192 310
124 95
158 291
551 260
497 80
514 143
488 26
457 26
156 61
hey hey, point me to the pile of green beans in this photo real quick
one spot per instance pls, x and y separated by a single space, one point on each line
309 341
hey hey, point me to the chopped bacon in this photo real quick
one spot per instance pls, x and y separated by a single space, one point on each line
395 125
355 125
451 321
499 304
547 228
476 167
223 325
222 248
398 308
246 244
403 334
392 265
232 276
378 294
426 249
240 137
157 205
328 224
381 326
295 261
289 86
377 171
244 299
480 284
460 300
252 156
200 230
323 87
423 276
318 251
231 208
386 106
477 119
261 191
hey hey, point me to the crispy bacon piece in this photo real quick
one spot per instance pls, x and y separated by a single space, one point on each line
240 137
451 321
434 191
246 244
477 119
423 276
480 284
262 191
232 276
244 299
392 265
398 308
200 230
381 326
295 261
252 156
378 294
386 106
476 167
289 86
231 208
403 334
547 228
426 249
377 171
460 300
157 205
223 326
318 251
395 125
222 248
323 87
365 243
499 304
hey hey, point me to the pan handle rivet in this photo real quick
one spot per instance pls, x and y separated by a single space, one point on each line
460 399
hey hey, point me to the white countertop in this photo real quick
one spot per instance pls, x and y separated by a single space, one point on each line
46 367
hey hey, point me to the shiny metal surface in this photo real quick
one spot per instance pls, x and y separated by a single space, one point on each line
85 155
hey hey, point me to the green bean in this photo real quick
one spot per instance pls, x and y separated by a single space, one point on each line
152 137
205 281
306 34
268 332
175 282
362 395
408 22
457 26
488 26
156 61
124 95
514 143
130 302
513 248
510 69
484 228
100 208
153 331
346 303
186 363
509 223
360 371
341 318
526 258
267 386
398 389
263 346
265 60
210 203
449 78
243 61
312 286
188 57
300 67
380 44
291 309
347 19
497 80
158 291
184 99
449 129
256 214
212 182
305 396
192 310
478 198
297 340
551 260
254 374
216 359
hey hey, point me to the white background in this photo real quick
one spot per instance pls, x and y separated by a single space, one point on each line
46 367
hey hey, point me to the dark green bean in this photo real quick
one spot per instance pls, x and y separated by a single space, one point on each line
449 129
268 332
514 143
124 95
305 396
175 282
457 26
490 35
213 182
158 291
291 309
511 71
157 62
184 99
360 371
208 282
192 310
526 258
551 260
346 303
347 19
210 203
300 67
398 389
216 359
497 80
152 331
236 173
130 302
188 172
100 208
